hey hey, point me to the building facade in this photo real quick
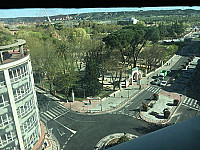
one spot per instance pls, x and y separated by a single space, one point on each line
20 127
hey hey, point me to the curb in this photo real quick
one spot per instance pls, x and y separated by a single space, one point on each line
117 107
104 141
165 121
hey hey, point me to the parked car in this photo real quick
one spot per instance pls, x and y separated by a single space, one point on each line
163 83
171 80
156 82
168 72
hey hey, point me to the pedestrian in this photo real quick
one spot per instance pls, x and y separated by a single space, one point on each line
114 95
45 144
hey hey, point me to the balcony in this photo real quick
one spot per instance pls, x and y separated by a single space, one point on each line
7 55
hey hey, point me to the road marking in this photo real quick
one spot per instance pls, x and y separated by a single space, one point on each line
68 140
48 115
53 112
58 110
60 132
44 116
177 119
60 115
190 107
191 102
185 100
71 130
188 100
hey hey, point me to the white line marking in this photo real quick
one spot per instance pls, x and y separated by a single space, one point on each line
191 102
58 110
185 100
60 115
177 119
190 107
44 116
71 130
48 115
53 112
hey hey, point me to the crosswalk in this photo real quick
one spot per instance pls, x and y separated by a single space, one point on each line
154 89
134 114
53 113
190 102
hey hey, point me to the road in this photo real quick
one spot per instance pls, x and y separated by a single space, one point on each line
80 131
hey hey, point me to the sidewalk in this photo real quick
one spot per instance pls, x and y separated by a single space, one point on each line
155 114
50 141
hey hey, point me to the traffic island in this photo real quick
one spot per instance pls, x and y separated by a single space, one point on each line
163 108
114 139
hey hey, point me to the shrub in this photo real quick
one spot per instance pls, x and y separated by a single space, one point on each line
166 114
155 96
176 102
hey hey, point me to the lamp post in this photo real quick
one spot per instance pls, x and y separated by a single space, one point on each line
121 99
101 105
128 92
180 97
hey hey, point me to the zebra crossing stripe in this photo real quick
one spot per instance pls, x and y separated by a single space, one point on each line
195 102
61 108
57 110
42 116
154 90
157 91
186 99
191 102
148 88
53 112
47 113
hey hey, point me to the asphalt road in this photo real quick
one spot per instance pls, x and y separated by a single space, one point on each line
78 131
190 106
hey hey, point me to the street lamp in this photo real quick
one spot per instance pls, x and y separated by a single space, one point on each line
101 105
128 92
121 99
180 97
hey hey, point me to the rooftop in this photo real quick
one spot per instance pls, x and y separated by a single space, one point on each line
12 52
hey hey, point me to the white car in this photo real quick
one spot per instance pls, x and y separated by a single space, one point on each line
163 83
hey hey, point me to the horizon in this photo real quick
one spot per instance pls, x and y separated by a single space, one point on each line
39 12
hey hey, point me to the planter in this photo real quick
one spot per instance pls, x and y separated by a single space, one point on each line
166 114
176 102
155 96
145 106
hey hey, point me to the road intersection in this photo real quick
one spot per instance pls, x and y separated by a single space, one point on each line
71 128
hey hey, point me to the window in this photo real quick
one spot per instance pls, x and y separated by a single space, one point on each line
18 72
5 119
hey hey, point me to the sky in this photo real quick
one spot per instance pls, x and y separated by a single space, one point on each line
39 12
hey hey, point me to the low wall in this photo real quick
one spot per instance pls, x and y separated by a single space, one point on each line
40 143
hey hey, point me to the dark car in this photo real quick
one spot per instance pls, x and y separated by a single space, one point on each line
168 72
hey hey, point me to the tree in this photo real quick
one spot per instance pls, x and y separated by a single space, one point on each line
153 56
5 37
92 86
119 41
141 35
66 76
